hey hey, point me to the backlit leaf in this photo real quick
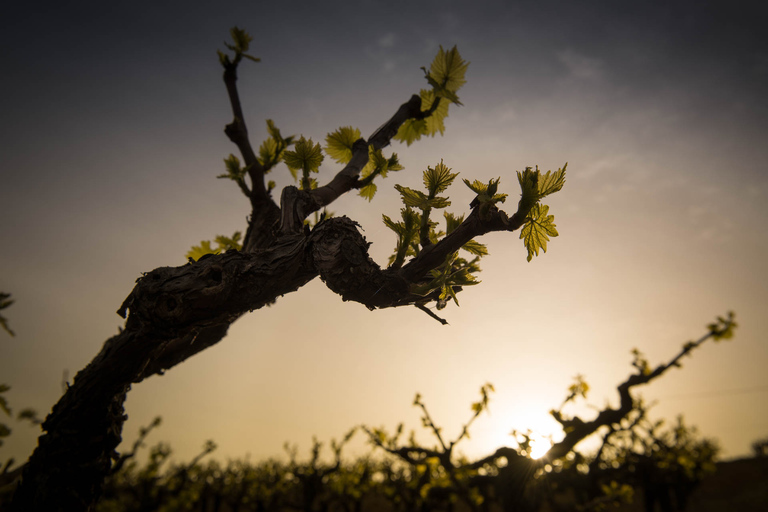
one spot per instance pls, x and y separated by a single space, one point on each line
411 130
535 185
397 227
413 198
537 229
339 143
272 149
306 156
198 251
229 243
476 248
241 38
223 243
550 182
368 191
418 199
486 193
452 221
438 179
436 121
447 70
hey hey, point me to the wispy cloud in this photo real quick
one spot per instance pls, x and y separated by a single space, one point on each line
580 66
387 40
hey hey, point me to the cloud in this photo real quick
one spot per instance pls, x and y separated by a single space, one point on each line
580 66
507 112
387 40
611 163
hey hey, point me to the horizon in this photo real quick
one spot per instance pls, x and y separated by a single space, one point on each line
113 138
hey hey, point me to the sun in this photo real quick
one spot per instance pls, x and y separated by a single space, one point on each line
539 445
499 430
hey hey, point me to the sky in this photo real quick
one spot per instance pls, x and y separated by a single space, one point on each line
112 137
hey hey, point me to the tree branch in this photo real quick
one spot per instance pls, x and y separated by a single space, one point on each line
473 226
422 307
264 212
347 179
238 134
577 429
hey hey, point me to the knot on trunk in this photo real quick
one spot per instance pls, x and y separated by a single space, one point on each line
340 256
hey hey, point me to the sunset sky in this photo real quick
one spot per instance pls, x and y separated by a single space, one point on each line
111 139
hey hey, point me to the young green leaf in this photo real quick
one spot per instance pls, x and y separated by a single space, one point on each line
397 227
198 251
307 157
269 153
550 182
411 131
535 186
229 243
529 186
413 198
251 57
242 41
418 199
452 222
339 143
453 272
446 74
537 229
272 149
436 121
486 194
241 38
274 132
368 191
438 179
223 243
407 235
393 164
476 248
378 165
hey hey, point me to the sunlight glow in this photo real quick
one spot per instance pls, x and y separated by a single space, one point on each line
539 445
497 430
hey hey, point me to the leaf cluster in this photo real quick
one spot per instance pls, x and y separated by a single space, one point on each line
272 150
417 230
339 145
241 42
306 157
223 243
539 226
486 195
722 328
445 76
